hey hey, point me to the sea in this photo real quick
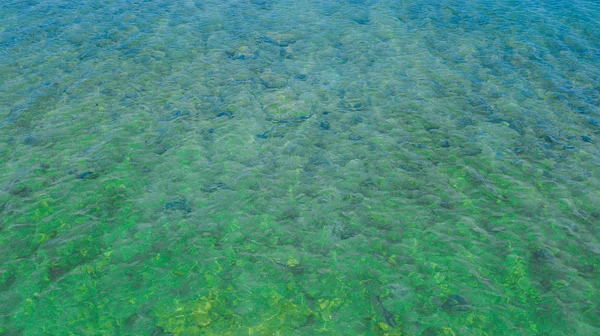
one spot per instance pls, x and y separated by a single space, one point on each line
300 167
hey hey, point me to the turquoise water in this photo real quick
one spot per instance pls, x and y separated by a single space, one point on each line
299 167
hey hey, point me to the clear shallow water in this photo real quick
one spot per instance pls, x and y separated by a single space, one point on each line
299 168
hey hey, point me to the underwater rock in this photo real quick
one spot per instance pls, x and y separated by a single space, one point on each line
178 206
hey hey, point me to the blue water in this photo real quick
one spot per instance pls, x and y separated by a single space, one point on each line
299 168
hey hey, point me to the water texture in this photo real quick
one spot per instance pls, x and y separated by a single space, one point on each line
256 167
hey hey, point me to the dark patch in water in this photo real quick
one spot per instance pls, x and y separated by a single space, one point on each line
517 126
594 122
342 231
57 272
470 151
264 135
7 284
324 125
301 76
291 213
362 20
456 303
211 188
21 191
495 120
177 114
88 175
281 43
291 120
225 115
355 137
541 256
178 206
387 315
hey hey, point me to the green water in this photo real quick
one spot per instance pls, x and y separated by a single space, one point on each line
299 167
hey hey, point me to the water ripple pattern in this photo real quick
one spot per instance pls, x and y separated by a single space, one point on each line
282 167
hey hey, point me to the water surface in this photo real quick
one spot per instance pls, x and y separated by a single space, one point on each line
256 167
